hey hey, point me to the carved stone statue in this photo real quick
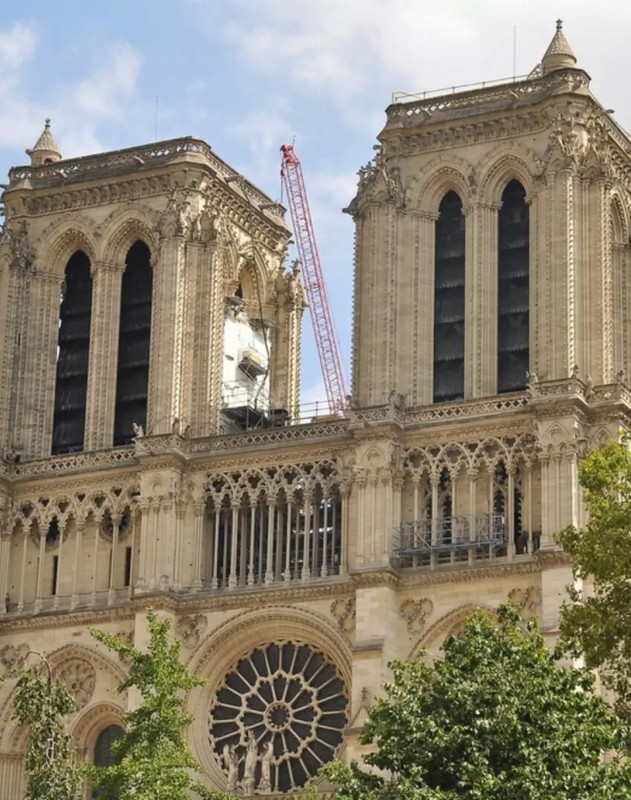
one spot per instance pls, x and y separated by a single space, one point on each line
267 756
251 757
231 761
138 430
167 224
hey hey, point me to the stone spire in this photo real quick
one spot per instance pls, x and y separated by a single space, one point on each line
559 54
46 150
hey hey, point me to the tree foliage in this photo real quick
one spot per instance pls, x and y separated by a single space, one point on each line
495 719
597 623
40 704
152 760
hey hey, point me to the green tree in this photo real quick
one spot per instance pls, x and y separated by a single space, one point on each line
495 719
597 624
40 704
152 760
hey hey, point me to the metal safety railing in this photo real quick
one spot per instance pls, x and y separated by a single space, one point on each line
415 540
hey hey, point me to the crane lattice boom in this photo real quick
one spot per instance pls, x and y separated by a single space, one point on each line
313 279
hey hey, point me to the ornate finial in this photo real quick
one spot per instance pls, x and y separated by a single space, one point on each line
559 24
46 150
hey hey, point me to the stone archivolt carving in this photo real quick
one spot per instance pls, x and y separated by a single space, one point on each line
12 657
190 629
527 601
343 611
80 678
416 613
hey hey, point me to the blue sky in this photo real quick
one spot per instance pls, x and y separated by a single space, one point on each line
249 75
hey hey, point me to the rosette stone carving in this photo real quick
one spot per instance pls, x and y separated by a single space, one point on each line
80 678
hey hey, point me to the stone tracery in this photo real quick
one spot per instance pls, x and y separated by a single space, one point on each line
277 717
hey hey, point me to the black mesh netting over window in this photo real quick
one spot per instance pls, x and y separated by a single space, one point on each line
277 717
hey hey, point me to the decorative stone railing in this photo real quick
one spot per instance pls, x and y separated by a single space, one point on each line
153 155
511 92
73 462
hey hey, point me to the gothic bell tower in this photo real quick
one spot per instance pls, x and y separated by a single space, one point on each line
492 251
143 291
490 237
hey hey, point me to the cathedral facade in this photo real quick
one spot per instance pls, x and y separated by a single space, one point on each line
153 451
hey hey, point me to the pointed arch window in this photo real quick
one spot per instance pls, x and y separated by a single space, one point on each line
449 286
134 344
104 757
73 350
513 303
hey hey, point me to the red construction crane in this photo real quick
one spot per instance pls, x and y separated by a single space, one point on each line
313 279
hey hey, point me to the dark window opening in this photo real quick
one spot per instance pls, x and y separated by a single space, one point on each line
73 350
55 580
513 290
52 532
134 342
103 756
127 579
449 277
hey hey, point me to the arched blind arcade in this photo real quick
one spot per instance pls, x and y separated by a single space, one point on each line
449 280
134 343
73 350
513 292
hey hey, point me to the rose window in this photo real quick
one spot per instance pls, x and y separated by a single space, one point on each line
277 718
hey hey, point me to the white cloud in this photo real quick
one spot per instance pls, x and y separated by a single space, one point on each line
101 94
76 109
341 47
17 45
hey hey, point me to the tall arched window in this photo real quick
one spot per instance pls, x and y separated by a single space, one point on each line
449 300
73 350
512 290
134 343
103 756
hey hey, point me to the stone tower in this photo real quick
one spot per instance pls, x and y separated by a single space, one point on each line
153 452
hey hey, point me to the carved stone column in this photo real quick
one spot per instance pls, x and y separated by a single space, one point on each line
199 511
16 257
102 370
481 278
208 306
167 336
143 568
5 553
414 351
286 337
595 301
40 365
555 303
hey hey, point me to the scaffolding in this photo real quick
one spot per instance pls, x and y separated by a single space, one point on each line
415 542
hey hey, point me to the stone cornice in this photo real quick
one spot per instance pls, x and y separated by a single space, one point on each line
238 204
184 604
467 574
65 619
